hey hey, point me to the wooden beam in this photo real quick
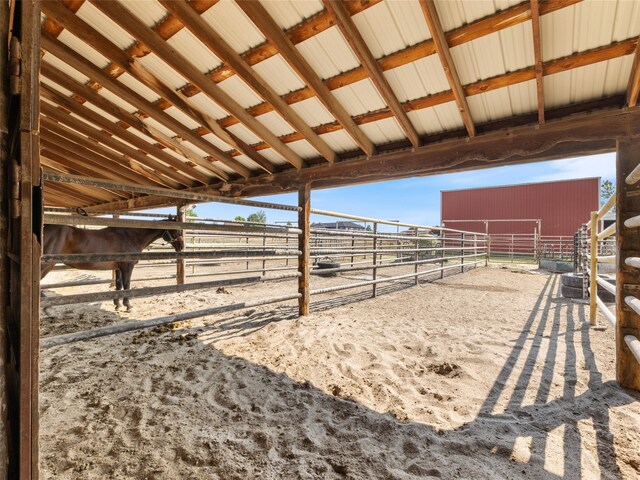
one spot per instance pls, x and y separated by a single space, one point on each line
537 53
577 131
62 163
131 120
442 48
467 33
270 29
88 69
78 157
633 87
564 64
175 176
209 37
304 244
126 62
628 277
339 12
120 15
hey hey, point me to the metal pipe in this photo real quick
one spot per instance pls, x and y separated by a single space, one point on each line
369 266
609 287
609 315
611 229
633 302
53 219
127 257
383 280
163 192
634 345
53 341
346 251
151 291
632 262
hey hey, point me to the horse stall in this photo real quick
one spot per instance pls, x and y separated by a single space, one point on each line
218 255
269 350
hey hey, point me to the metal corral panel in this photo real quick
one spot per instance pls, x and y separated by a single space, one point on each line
561 206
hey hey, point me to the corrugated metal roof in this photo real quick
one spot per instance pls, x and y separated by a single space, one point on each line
393 32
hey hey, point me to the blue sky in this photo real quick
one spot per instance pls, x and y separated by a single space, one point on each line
417 200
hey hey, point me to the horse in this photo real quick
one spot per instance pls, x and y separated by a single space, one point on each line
63 239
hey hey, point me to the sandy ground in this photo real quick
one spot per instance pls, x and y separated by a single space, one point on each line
486 375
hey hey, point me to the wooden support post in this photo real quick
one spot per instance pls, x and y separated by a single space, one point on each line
416 257
264 260
593 286
180 262
462 253
443 243
375 259
304 263
628 278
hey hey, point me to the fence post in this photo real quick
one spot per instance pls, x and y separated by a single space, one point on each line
375 258
593 273
264 247
442 253
180 262
462 252
628 277
304 202
416 257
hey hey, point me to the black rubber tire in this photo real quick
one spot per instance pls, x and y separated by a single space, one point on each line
571 292
573 280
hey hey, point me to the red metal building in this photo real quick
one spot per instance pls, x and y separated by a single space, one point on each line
560 206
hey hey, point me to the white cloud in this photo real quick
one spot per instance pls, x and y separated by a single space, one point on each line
603 166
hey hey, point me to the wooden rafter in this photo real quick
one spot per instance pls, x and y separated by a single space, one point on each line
442 49
126 63
580 129
270 29
633 87
467 33
342 18
537 53
559 65
226 53
84 93
103 45
109 139
65 167
181 64
58 141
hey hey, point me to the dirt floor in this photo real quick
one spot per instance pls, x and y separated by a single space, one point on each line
485 375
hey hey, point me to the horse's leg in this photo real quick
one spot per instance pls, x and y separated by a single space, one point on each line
116 301
127 270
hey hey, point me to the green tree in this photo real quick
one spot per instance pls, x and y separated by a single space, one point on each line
369 228
606 191
240 219
190 212
257 217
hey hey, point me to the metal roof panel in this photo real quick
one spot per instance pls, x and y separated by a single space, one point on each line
360 97
208 106
436 119
339 141
198 54
163 72
103 24
150 12
391 26
275 123
276 72
230 22
138 87
240 92
313 112
383 131
418 79
328 53
287 13
83 49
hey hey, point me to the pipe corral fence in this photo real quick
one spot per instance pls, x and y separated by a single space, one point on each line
221 253
615 248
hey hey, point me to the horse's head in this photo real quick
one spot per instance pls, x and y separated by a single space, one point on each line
174 237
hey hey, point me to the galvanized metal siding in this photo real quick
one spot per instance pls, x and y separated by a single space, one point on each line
562 206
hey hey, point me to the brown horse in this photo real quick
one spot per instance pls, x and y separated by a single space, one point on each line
63 239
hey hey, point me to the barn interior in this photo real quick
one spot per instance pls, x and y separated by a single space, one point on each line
118 106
